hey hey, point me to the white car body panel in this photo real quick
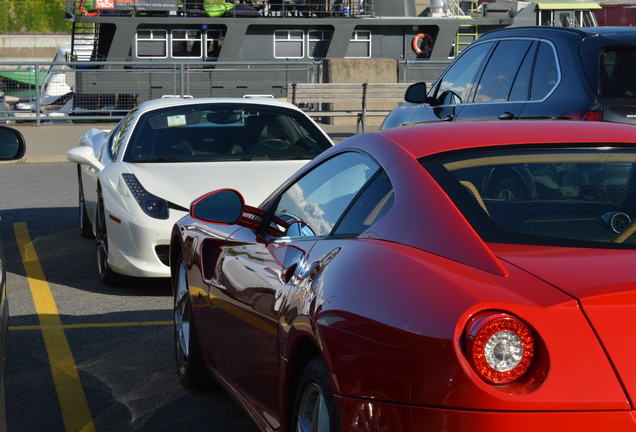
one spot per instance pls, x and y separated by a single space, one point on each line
132 234
182 183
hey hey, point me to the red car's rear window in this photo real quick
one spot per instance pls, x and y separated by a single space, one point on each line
583 196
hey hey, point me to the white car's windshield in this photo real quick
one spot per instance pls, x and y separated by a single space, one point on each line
224 132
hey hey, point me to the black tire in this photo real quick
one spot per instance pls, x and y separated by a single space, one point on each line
190 366
86 229
315 377
106 274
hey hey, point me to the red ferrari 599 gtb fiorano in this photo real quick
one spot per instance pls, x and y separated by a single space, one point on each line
447 277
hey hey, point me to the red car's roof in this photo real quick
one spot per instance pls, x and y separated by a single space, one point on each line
426 139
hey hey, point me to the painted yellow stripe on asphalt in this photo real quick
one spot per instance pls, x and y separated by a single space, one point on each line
70 393
95 325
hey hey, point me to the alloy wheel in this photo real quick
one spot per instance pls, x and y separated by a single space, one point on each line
313 415
102 241
182 317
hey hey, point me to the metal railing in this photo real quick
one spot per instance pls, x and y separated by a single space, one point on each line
62 92
264 8
71 91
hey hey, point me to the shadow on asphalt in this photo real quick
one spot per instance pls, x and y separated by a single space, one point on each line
129 378
66 257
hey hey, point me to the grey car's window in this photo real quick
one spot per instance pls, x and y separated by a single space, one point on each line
545 72
207 132
369 206
521 88
316 202
458 81
500 72
618 73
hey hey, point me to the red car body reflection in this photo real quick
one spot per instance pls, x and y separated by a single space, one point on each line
387 311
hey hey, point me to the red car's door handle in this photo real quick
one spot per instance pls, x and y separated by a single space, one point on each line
310 271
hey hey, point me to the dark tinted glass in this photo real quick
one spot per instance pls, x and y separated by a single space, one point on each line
618 73
560 196
225 207
545 72
224 132
459 80
9 144
497 79
521 87
372 203
320 197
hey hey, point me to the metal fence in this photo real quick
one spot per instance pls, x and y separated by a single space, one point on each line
64 92
54 92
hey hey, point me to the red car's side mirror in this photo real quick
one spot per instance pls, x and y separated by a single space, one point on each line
223 206
226 207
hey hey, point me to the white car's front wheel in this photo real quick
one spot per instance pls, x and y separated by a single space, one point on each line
106 274
86 229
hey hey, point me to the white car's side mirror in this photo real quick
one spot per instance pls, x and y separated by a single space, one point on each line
84 155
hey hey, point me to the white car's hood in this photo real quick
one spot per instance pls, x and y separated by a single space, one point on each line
182 183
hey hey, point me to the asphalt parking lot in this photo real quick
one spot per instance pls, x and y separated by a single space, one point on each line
83 356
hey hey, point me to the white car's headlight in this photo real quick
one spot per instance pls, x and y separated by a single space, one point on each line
151 204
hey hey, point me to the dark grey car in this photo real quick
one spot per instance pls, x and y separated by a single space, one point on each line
532 72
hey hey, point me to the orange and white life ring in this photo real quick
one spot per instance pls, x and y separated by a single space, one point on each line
422 44
83 10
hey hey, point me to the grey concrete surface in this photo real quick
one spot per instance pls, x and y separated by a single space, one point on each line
27 47
49 143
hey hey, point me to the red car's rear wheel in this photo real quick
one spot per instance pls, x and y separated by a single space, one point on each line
314 405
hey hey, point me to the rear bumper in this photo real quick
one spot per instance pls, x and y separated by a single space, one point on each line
368 415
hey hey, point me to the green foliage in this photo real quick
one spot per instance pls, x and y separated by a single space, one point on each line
33 16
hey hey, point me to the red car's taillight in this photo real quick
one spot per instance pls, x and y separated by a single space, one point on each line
500 347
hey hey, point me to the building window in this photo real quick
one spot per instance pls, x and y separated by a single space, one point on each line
359 45
318 43
186 44
151 43
289 44
214 42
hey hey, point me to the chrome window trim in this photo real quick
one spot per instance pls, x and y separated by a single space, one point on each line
323 38
288 39
200 40
152 39
354 39
540 40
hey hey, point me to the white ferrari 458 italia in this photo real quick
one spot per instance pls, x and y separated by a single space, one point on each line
137 180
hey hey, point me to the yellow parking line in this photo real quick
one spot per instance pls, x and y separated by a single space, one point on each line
94 325
70 393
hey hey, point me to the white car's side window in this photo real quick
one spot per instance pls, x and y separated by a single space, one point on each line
118 137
